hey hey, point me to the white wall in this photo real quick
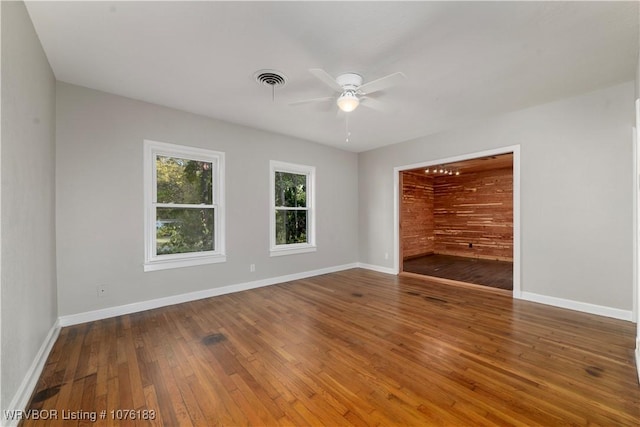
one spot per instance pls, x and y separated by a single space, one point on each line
28 276
576 209
100 200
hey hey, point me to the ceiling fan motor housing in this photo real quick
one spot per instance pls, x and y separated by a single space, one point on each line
349 81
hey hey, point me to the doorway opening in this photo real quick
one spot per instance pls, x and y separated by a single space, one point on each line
458 220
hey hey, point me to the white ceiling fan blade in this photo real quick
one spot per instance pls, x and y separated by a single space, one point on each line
326 78
308 101
381 83
374 104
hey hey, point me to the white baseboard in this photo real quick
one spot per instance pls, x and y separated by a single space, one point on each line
105 313
21 398
599 310
377 268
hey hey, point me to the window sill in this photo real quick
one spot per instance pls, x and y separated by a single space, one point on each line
179 263
292 251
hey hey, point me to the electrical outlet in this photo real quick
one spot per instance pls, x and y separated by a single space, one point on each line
252 268
386 255
102 291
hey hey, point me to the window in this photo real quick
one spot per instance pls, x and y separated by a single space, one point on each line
292 208
184 206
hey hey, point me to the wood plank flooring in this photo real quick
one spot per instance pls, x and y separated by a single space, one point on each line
495 274
349 348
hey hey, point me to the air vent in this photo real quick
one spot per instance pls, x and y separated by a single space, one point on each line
270 78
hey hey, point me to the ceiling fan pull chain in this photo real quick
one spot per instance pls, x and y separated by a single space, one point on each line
346 125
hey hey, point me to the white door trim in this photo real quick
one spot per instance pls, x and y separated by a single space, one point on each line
636 233
636 225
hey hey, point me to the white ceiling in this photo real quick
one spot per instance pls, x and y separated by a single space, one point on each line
463 60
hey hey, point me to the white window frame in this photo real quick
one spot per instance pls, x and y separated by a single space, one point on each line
293 248
152 261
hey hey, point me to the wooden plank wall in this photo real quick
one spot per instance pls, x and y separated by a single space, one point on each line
416 223
474 208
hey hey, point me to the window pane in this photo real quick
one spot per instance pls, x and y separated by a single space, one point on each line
183 181
291 189
184 230
291 227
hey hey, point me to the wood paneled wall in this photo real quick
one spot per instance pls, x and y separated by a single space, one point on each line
477 209
444 214
416 221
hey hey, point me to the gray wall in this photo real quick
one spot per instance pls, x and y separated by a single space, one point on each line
28 275
576 208
100 200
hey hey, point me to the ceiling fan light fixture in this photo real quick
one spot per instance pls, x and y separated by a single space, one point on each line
348 101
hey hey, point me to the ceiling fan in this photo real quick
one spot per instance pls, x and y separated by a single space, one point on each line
351 90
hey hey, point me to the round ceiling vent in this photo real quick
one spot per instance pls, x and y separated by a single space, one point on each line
270 78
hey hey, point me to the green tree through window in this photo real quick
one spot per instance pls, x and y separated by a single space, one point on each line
184 229
291 195
292 208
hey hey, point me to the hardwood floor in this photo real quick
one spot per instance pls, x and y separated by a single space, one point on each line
495 274
349 348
